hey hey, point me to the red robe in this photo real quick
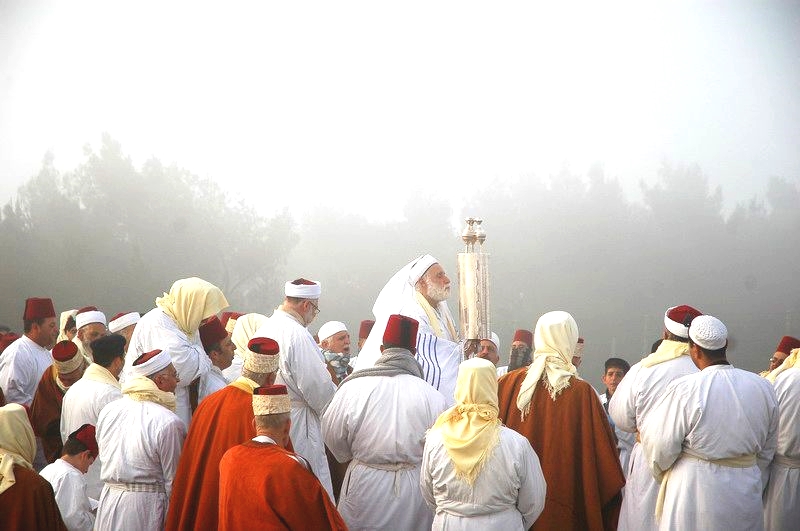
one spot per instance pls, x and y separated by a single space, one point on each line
222 420
46 414
29 504
262 486
577 451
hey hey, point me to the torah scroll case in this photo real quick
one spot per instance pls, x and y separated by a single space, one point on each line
473 283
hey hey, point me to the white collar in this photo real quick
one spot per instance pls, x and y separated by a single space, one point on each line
263 439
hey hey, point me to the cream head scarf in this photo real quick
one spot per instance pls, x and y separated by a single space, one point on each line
189 301
554 341
792 360
244 330
62 323
17 443
470 430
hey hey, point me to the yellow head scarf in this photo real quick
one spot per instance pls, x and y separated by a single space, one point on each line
17 443
189 301
790 361
470 430
554 341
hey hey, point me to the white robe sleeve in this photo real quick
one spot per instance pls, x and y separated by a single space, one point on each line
336 429
532 489
622 406
19 380
426 477
170 442
665 429
311 376
73 503
767 453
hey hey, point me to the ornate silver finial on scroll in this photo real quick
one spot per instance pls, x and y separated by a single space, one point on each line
473 282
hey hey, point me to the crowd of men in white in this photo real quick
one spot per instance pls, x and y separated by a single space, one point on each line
703 445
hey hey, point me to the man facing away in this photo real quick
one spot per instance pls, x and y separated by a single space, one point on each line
123 324
631 403
24 361
140 429
66 475
710 438
87 397
303 371
377 421
222 420
263 483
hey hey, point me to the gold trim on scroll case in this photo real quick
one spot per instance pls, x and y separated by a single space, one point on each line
473 283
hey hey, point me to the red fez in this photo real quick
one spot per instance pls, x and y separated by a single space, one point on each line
365 328
212 332
7 339
401 331
229 315
87 309
38 309
526 336
303 282
86 435
678 318
263 345
271 390
147 356
64 350
787 344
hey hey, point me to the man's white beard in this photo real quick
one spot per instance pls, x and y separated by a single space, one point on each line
438 293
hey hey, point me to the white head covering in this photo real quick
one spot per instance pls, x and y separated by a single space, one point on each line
554 340
397 292
244 330
494 339
17 443
303 291
271 400
62 323
708 332
330 328
151 366
92 316
124 321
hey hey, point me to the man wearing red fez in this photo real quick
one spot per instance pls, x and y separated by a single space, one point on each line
67 476
173 327
303 370
67 368
140 439
363 331
221 421
634 399
376 422
782 351
420 290
219 348
261 481
521 348
24 362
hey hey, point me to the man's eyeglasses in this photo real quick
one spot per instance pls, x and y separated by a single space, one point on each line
316 308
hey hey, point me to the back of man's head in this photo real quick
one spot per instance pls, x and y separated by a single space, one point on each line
106 349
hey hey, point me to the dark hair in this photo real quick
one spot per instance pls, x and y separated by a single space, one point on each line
69 324
27 324
73 447
656 344
673 337
617 363
108 348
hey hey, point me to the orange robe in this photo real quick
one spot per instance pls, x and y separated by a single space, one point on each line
29 505
577 451
46 414
262 486
222 420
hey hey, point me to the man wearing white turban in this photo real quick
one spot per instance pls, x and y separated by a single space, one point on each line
420 291
173 326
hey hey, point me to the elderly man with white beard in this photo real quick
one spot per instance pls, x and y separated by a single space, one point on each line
420 291
91 325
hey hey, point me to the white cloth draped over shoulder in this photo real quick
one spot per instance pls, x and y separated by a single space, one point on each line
631 404
379 423
140 443
697 428
782 499
438 355
304 373
69 487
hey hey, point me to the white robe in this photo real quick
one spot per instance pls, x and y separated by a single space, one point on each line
629 407
156 330
22 365
719 413
140 444
378 422
69 487
303 371
625 440
82 404
235 370
782 499
211 382
508 493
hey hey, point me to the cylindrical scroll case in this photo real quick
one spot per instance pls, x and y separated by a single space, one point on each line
473 289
